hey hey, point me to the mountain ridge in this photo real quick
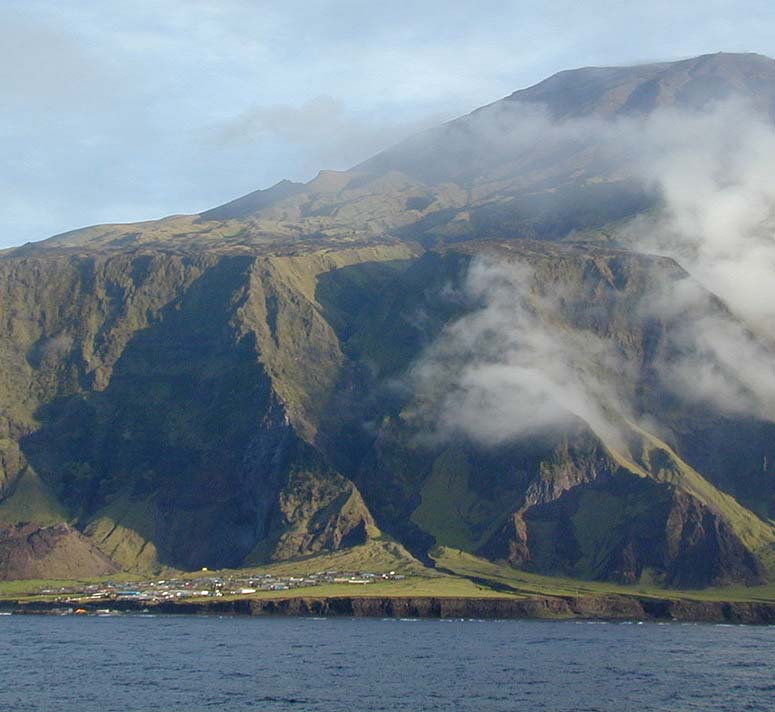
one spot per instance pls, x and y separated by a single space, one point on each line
293 211
269 379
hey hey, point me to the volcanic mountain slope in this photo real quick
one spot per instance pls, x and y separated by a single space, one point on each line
152 397
579 498
535 164
289 373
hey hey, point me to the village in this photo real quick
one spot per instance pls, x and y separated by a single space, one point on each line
206 586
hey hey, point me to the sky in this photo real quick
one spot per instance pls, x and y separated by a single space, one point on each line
132 110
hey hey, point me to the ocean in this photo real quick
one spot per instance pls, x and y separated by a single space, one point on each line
132 662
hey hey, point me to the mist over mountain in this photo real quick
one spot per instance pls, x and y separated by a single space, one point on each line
541 334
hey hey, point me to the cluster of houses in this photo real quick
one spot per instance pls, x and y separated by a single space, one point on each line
206 585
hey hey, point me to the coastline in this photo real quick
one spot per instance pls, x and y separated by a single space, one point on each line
610 608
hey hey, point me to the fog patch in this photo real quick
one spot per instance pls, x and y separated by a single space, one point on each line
508 369
710 355
714 174
511 368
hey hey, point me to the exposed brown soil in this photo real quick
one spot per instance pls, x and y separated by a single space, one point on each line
28 551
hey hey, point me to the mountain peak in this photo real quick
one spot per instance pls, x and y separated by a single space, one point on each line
690 83
480 174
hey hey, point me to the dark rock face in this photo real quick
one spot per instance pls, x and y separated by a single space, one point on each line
621 527
597 607
703 549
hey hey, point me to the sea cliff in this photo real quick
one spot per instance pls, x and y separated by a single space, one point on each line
615 608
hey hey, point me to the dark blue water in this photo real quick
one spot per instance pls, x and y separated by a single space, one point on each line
174 663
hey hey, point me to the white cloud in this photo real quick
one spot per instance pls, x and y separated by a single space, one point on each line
714 173
514 367
511 368
148 78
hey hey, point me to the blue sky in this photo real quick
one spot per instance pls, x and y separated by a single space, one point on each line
133 110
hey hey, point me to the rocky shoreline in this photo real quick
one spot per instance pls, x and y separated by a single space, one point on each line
614 608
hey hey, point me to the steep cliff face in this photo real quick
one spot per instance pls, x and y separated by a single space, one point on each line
163 404
213 410
382 351
593 500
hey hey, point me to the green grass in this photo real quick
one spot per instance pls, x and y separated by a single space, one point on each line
377 556
446 501
451 512
32 501
459 574
415 586
123 529
28 589
524 583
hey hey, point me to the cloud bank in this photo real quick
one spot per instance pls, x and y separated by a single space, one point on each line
714 173
107 106
513 368
510 368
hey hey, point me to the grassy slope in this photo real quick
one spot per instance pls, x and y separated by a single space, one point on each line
664 465
299 274
528 584
123 529
458 575
451 512
32 501
377 556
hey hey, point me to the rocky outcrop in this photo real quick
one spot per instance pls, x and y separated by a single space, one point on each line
625 527
321 511
28 551
701 548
